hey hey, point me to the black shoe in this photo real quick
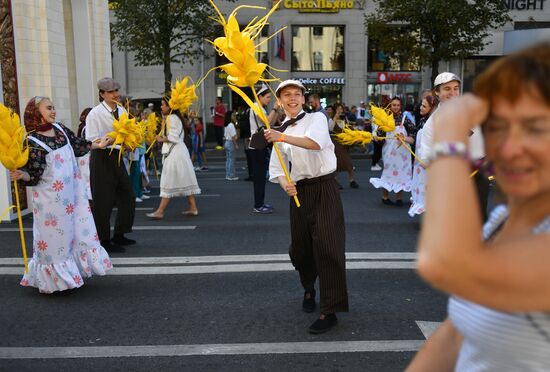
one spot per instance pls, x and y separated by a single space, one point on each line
354 185
387 202
399 203
323 325
308 304
249 179
111 247
122 240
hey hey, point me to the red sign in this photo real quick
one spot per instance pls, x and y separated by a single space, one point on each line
394 77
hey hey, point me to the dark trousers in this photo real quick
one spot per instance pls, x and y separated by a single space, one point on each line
218 131
377 152
318 241
249 166
259 173
111 186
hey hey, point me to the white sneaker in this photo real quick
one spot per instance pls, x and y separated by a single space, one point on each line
138 200
145 197
376 168
232 178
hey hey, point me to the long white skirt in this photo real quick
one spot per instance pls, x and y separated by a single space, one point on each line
397 173
178 176
418 186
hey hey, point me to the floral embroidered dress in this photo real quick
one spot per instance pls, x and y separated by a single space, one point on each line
65 241
397 173
418 184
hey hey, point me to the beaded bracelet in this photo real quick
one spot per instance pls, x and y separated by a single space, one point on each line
452 149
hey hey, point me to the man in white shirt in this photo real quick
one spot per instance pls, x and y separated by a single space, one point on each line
447 87
317 227
109 180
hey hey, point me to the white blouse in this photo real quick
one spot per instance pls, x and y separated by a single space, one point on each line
305 163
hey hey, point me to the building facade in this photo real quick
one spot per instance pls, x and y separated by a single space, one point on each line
325 46
54 48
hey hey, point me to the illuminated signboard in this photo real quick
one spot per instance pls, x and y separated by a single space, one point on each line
524 4
322 81
318 6
394 77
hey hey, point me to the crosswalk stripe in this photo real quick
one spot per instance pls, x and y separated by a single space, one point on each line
137 228
234 268
428 328
179 260
209 349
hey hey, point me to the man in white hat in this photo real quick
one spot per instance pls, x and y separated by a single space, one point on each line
109 180
317 228
447 87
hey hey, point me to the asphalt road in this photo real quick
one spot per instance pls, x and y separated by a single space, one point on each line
216 292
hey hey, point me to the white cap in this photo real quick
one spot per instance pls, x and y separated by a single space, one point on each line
287 83
444 78
262 89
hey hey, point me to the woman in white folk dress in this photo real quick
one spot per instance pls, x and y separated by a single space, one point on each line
178 176
397 174
66 247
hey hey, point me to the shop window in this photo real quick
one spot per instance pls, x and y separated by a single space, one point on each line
530 25
318 48
317 31
472 68
381 60
317 61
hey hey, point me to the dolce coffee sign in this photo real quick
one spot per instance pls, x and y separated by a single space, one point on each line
322 81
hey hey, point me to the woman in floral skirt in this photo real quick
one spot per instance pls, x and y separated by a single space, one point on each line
65 242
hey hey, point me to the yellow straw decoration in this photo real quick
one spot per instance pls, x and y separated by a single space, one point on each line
127 133
382 118
14 155
350 136
244 70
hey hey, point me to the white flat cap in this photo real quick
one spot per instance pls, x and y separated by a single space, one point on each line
287 83
445 77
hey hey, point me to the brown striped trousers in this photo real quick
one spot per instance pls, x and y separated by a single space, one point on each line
318 241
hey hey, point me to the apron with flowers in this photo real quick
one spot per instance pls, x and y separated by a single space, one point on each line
397 173
65 242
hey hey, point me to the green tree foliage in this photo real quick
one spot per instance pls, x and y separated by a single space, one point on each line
161 32
434 30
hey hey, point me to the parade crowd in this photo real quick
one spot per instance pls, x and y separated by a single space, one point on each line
494 267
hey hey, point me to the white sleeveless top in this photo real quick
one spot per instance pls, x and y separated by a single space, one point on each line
496 340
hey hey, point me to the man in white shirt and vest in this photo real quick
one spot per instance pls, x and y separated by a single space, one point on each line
109 180
317 228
